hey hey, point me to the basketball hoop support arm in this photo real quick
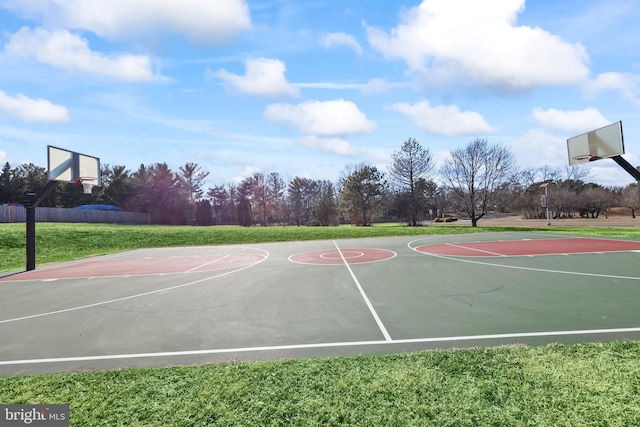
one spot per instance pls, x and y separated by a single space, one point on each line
627 166
635 173
31 203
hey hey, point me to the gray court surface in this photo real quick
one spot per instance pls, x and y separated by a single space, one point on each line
267 301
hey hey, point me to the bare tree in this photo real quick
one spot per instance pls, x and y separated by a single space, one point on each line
244 195
595 200
326 209
524 190
260 196
577 173
565 202
232 205
474 172
412 163
631 198
276 191
219 199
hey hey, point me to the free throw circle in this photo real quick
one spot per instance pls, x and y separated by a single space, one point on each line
337 257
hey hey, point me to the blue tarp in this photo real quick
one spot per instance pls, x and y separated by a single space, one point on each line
99 207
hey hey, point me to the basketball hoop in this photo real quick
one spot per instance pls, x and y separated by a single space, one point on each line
586 158
87 184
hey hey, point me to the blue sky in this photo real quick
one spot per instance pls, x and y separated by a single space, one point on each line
305 88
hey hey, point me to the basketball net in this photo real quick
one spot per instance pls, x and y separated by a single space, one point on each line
586 158
87 184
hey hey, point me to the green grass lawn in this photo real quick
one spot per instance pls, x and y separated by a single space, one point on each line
596 384
556 385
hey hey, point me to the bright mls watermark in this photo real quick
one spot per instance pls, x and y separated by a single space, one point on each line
34 415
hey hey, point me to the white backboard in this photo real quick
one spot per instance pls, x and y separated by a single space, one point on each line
69 166
597 144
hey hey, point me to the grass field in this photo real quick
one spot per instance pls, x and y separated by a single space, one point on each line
575 385
595 384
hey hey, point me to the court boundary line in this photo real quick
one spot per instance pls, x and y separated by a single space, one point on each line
170 288
386 335
257 349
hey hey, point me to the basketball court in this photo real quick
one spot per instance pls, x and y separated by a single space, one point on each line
179 306
176 306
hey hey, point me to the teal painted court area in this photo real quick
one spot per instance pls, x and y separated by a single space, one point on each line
173 306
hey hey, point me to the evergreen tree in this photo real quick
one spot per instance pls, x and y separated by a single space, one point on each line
363 192
409 165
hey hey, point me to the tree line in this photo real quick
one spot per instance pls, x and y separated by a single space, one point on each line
474 181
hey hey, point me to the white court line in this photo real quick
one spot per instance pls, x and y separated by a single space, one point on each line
386 335
207 263
319 345
360 254
473 249
183 285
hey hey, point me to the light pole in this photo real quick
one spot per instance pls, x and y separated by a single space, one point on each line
546 201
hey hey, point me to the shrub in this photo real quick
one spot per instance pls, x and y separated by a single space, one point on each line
446 219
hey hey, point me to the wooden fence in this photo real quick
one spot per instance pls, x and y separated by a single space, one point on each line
18 214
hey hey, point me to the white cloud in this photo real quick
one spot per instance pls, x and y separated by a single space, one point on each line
329 85
199 20
330 145
263 76
248 170
477 40
613 81
337 117
539 148
628 85
374 86
341 39
445 120
569 121
68 51
440 157
33 110
3 157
